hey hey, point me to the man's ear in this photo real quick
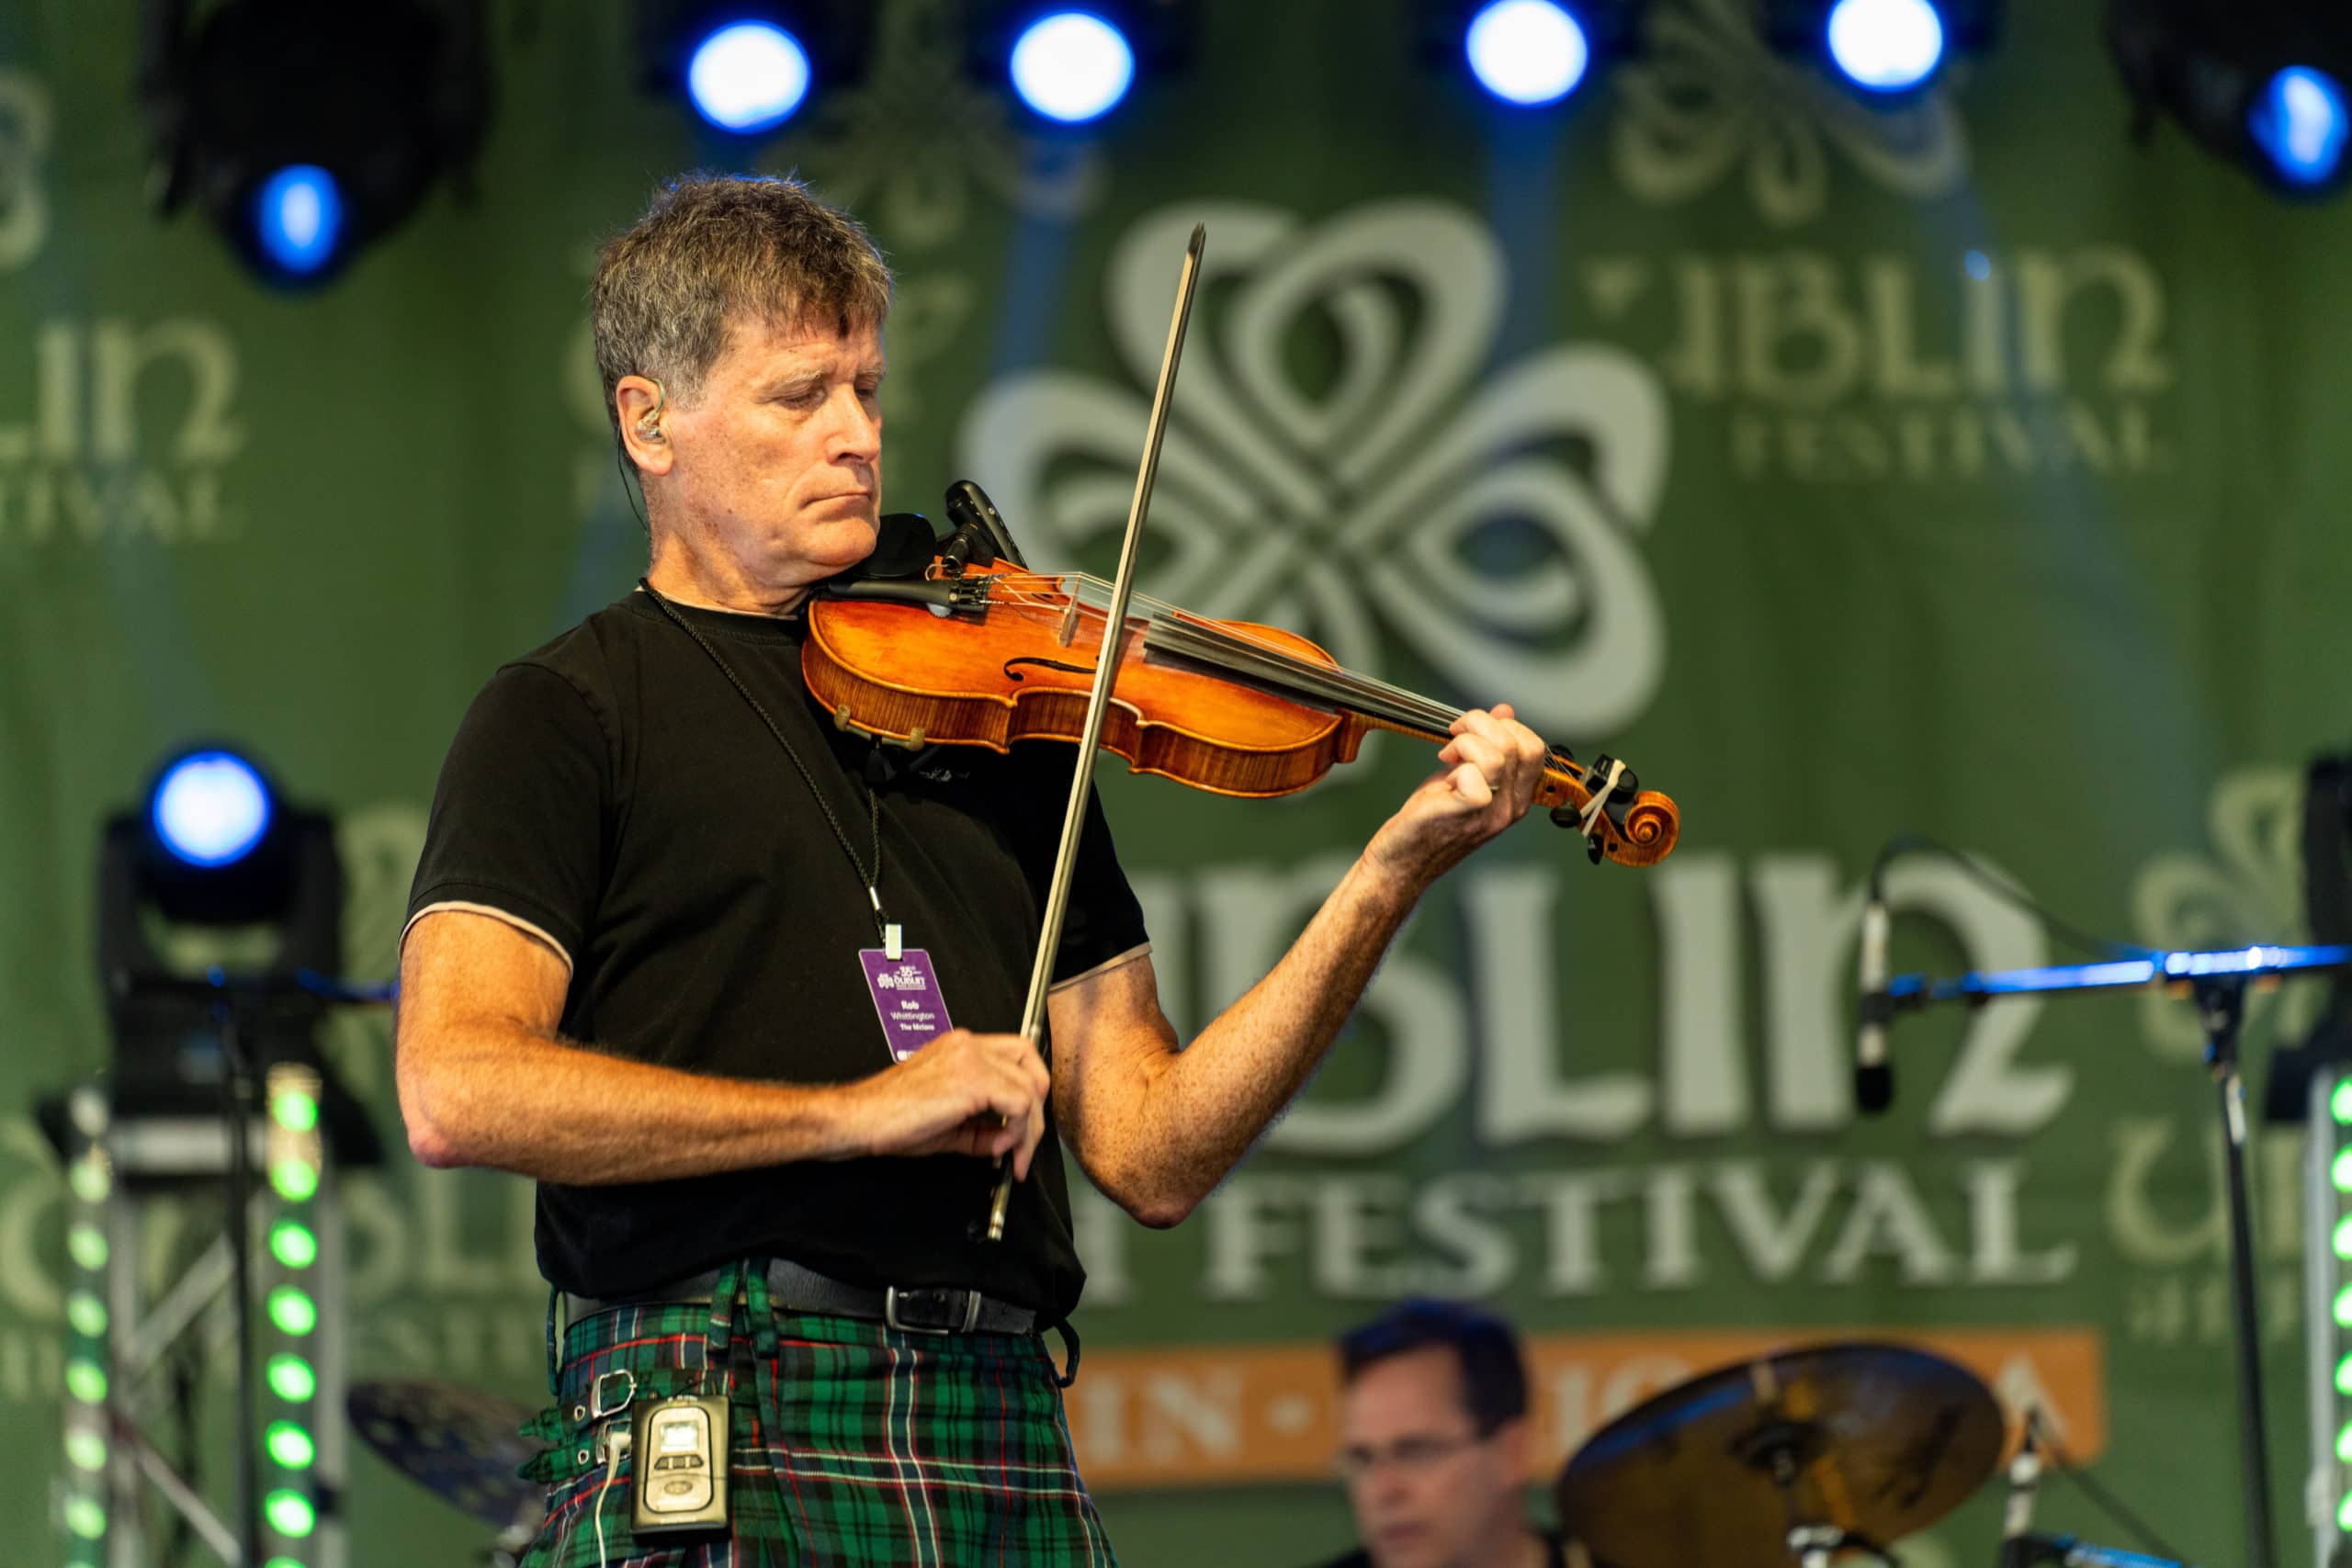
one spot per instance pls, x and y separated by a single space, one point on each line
1517 1452
644 408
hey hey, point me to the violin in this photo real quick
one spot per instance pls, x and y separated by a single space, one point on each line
970 648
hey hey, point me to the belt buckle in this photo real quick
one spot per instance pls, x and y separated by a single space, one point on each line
890 1314
597 1408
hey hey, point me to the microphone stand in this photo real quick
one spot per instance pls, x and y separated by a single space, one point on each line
2078 1553
2217 983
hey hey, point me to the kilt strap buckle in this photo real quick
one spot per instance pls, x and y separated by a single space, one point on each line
599 1406
934 1310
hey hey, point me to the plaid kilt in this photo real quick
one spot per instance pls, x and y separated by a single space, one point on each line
851 1443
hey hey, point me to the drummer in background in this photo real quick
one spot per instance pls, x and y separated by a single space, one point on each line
1434 1441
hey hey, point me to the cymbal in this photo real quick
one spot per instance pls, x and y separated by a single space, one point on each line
460 1442
1879 1440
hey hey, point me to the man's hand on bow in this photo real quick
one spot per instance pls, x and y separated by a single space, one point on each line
964 1093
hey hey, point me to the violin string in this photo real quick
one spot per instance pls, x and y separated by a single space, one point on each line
1347 687
1173 639
1363 682
1174 631
1220 644
1220 647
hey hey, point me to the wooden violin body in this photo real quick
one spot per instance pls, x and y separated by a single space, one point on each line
999 654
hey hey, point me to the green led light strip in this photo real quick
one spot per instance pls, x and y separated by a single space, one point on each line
294 1160
89 1185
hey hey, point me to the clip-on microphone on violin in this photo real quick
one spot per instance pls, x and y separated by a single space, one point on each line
969 508
980 537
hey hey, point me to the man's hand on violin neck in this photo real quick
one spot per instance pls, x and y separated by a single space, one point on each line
1486 779
964 1093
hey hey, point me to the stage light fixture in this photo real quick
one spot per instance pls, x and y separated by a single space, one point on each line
211 807
298 218
309 132
748 67
747 77
1527 55
1072 66
1527 51
2298 121
1885 46
2259 83
1886 49
215 858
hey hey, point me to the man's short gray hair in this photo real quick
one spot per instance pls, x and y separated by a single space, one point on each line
716 248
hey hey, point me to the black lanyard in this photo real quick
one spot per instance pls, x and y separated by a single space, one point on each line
872 879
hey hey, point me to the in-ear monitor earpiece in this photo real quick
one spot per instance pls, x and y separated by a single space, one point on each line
649 427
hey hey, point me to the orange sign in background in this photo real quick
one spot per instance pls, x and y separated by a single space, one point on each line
1200 1415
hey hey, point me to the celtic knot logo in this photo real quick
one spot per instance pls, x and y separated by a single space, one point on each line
905 147
1488 517
1712 93
26 123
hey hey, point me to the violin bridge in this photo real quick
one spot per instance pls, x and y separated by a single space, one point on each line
1066 632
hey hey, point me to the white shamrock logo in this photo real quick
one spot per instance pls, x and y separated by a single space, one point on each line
1712 93
26 124
2250 891
1385 494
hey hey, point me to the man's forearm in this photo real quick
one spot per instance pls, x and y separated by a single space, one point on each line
1197 1111
505 1098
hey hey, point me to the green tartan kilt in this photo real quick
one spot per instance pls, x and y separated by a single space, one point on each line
850 1443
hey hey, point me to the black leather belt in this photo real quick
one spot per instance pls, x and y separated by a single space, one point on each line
928 1309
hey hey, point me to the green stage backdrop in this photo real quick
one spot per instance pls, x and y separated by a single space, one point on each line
1961 468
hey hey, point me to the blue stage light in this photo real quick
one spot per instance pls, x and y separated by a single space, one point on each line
1887 46
749 78
1527 51
2298 121
1072 66
297 216
210 809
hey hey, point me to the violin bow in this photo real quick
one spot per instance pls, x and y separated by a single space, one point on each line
1106 669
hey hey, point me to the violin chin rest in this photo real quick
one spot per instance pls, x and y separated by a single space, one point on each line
903 547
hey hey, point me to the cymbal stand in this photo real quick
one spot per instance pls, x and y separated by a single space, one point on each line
1813 1546
1781 1448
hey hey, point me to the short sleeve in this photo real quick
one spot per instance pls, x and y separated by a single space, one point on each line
1104 921
517 824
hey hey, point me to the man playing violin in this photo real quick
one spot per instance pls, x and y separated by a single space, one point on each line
735 990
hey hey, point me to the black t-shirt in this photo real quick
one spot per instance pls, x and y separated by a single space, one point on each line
615 794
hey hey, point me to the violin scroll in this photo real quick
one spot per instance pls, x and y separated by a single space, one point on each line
1605 802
